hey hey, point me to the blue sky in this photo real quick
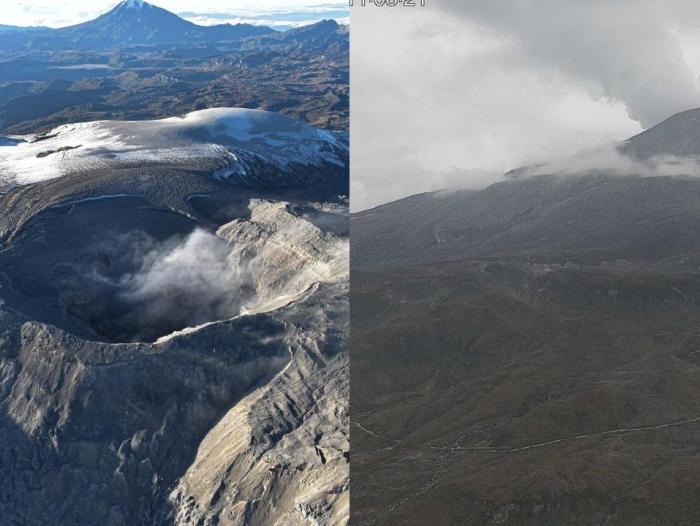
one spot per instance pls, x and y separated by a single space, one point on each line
275 13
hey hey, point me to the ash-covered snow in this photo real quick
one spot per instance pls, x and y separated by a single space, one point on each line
222 135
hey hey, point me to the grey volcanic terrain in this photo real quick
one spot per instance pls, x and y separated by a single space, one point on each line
173 323
527 354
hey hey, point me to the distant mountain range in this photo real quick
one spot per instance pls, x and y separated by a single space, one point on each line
5 28
130 23
326 36
139 61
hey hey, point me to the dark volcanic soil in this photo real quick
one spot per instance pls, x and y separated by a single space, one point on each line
528 355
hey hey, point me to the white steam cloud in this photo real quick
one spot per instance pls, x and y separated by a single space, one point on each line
138 287
471 88
626 50
187 283
608 160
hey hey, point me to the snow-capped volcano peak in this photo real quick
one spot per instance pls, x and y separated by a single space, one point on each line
137 22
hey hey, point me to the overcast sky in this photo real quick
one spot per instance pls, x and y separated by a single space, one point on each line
460 91
281 13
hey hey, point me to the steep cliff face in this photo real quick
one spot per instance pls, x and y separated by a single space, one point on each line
281 455
284 252
115 424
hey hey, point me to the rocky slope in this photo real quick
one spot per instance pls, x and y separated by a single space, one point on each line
526 354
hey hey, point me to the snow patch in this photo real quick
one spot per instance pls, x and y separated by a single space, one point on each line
223 135
134 4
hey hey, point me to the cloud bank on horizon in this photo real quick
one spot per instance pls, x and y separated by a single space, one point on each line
278 14
493 86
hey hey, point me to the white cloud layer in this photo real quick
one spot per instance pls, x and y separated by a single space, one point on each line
275 13
458 92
